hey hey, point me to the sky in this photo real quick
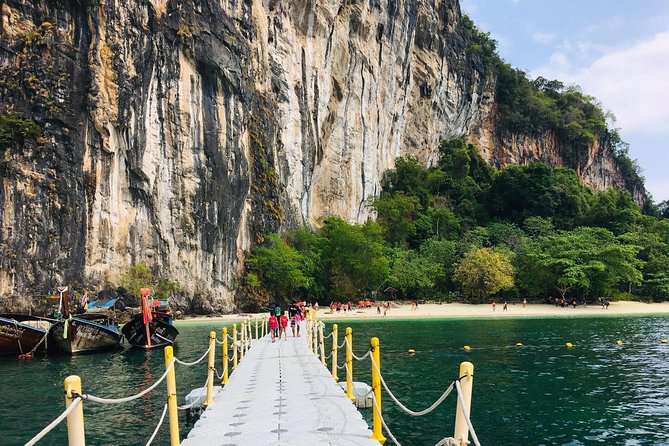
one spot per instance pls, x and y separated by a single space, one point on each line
616 50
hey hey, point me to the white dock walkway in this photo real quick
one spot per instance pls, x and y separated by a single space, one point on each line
280 395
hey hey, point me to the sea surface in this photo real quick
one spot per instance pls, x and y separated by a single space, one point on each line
539 394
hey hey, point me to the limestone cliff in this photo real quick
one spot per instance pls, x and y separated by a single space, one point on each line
597 168
178 133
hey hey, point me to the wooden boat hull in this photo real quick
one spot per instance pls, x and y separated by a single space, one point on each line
84 336
162 333
17 337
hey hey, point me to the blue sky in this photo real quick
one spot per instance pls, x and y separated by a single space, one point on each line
616 50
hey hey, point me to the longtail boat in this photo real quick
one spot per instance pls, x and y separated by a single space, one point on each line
152 328
23 334
88 332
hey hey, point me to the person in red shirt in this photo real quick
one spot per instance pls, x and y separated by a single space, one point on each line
273 325
284 325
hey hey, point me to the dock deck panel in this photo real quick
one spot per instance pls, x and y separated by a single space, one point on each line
280 395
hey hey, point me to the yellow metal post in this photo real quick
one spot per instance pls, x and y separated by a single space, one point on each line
75 420
322 341
242 341
335 329
309 338
461 434
172 398
234 346
349 364
224 352
210 371
250 335
257 328
376 387
314 333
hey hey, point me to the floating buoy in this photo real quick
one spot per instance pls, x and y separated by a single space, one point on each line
467 348
519 344
569 345
664 341
412 351
619 342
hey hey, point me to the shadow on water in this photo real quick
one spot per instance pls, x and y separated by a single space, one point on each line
538 394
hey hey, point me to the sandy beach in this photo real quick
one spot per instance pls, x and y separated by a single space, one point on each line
457 310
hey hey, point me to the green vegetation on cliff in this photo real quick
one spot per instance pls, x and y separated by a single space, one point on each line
464 230
535 107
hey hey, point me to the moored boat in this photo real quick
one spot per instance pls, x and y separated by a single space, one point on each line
23 334
152 328
82 333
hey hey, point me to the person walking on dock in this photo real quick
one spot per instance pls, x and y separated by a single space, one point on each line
273 325
294 315
283 320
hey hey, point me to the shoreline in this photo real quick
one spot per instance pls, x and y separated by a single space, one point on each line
466 311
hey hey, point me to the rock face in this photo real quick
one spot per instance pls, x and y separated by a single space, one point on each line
179 133
597 168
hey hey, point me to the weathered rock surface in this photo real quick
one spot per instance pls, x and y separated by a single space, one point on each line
179 133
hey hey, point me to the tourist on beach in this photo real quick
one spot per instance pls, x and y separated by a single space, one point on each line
505 307
378 308
524 302
494 304
573 303
283 326
273 325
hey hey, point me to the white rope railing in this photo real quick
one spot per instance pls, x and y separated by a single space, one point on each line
406 409
466 413
99 400
343 343
188 364
328 336
54 423
357 358
160 423
383 422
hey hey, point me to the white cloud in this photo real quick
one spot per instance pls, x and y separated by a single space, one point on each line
544 38
632 81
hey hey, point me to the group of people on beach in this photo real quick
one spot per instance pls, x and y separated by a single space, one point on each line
278 320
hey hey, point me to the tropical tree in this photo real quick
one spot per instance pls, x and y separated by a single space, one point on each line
483 272
353 257
280 268
414 274
136 277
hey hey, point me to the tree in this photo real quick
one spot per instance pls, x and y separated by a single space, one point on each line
280 268
396 216
537 190
483 272
136 277
589 261
353 257
413 274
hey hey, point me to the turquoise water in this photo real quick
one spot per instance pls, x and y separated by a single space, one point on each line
539 394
